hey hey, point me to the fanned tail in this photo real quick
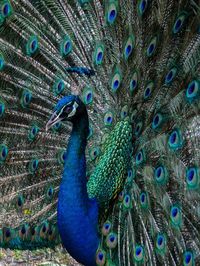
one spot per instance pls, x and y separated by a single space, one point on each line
156 217
128 60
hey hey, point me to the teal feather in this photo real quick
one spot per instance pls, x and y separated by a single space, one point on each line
32 45
111 11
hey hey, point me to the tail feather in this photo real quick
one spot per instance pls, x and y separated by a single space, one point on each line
145 57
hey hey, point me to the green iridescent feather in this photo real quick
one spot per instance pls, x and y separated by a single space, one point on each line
109 175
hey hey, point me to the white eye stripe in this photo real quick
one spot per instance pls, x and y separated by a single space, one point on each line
75 105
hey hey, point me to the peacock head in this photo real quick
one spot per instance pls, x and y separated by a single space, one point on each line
69 108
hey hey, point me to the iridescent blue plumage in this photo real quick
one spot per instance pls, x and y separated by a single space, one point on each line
80 239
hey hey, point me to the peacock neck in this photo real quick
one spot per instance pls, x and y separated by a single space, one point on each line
77 214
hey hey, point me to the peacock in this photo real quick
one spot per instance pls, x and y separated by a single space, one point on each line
100 129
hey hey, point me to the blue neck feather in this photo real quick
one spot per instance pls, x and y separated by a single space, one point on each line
77 214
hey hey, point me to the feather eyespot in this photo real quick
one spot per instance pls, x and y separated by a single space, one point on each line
115 83
139 253
121 196
142 6
98 54
87 95
124 112
44 229
130 176
23 230
128 48
111 13
134 82
175 140
127 201
192 178
193 90
188 259
32 45
148 90
178 24
108 118
20 201
170 76
59 86
138 129
157 121
26 98
100 257
106 228
116 80
6 9
175 216
130 173
33 165
144 200
50 192
139 157
151 49
94 153
3 153
111 240
160 175
33 132
65 46
161 243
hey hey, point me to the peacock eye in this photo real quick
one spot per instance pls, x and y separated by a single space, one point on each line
67 109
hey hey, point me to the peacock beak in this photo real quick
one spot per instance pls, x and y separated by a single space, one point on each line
55 118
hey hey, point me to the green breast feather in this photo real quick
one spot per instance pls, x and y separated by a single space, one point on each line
109 175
